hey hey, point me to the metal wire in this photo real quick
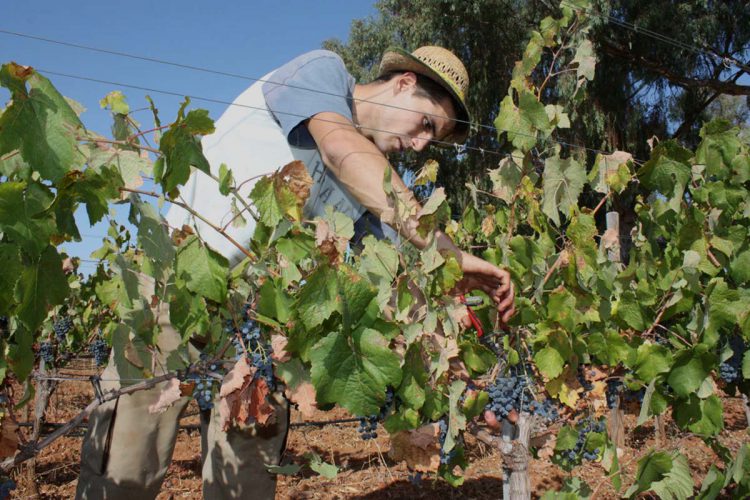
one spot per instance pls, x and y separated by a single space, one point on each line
250 78
660 36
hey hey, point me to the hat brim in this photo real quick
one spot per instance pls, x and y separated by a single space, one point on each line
397 59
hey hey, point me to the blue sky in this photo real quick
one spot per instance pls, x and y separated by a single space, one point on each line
249 38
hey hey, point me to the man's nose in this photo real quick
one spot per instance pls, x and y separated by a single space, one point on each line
419 143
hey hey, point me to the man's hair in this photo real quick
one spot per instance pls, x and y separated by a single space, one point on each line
426 87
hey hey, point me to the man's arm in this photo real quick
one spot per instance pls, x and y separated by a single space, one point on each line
360 166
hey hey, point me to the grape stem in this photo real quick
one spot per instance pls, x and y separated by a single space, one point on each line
195 214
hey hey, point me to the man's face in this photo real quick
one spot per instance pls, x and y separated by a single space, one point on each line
410 121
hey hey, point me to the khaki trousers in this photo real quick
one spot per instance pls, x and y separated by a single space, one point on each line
127 450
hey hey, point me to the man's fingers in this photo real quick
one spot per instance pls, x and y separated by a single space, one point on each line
491 419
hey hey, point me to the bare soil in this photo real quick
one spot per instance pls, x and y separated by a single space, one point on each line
366 472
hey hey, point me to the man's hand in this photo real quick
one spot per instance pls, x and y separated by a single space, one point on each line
495 282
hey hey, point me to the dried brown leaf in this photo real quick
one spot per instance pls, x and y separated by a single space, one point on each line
169 394
8 437
419 448
278 344
243 398
305 397
296 177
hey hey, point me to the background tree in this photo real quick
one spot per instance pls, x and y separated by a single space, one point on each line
643 86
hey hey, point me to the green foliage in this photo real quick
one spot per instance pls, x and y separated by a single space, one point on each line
358 325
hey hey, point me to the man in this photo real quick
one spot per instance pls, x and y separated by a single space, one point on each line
310 110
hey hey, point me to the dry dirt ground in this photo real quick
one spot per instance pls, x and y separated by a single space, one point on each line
366 472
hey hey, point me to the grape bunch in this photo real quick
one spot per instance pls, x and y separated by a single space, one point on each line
6 487
100 351
616 388
730 370
47 352
514 393
203 393
586 428
62 327
445 458
259 351
368 425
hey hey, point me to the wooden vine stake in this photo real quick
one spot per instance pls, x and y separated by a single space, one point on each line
515 450
45 388
616 416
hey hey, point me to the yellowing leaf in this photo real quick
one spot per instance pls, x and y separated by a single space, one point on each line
428 173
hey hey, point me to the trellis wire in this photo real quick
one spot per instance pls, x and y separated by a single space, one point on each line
460 148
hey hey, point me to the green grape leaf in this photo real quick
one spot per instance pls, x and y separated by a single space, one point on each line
41 285
415 377
549 361
701 416
153 235
329 471
130 355
557 116
274 302
354 371
264 198
739 268
319 298
712 484
188 313
226 180
131 165
651 360
520 131
718 149
24 216
563 181
116 102
668 170
689 370
20 357
456 418
533 111
585 59
477 358
628 310
475 404
284 470
182 149
506 178
10 263
379 262
39 122
204 271
651 468
676 484
567 438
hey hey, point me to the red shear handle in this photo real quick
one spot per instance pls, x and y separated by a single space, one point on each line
472 317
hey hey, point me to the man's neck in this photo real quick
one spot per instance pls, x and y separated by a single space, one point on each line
368 99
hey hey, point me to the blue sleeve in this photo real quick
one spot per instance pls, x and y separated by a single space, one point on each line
311 83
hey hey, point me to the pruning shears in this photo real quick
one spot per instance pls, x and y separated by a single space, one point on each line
468 302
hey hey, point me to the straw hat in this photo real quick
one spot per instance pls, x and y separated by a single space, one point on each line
441 66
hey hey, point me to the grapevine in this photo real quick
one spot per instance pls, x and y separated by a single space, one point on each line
657 325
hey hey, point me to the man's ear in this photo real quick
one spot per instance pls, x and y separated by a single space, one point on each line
405 81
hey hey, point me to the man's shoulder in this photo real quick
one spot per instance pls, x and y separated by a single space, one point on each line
317 54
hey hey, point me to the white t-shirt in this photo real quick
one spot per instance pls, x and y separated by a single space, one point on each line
261 132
